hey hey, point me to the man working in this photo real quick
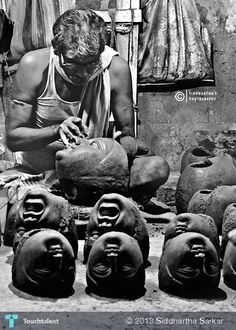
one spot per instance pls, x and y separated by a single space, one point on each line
69 90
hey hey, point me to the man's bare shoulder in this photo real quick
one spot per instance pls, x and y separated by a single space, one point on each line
36 59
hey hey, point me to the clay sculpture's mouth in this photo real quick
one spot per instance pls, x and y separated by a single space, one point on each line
112 252
198 251
33 209
179 229
108 214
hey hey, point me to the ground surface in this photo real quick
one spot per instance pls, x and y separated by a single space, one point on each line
154 299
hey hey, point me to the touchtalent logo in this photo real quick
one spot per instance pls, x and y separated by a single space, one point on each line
11 319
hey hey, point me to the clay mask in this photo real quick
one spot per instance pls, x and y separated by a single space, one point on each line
41 209
114 212
189 264
190 222
92 168
115 267
44 264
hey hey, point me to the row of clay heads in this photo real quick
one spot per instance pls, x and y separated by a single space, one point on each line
191 256
42 232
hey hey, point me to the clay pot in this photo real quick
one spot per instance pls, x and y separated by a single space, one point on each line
37 209
197 223
115 267
114 212
216 171
44 264
189 266
92 168
229 261
147 174
194 154
229 223
213 203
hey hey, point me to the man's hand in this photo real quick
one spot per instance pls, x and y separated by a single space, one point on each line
72 128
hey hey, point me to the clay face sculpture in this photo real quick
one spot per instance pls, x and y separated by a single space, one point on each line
115 267
229 261
92 168
229 224
189 266
41 209
216 171
213 202
44 264
114 212
189 222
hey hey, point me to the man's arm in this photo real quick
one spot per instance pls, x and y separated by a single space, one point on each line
122 104
20 131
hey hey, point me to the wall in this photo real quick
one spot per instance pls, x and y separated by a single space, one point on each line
170 126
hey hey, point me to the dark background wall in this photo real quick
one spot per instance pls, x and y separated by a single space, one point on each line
170 126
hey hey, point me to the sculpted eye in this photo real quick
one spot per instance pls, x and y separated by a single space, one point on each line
127 270
95 144
20 231
101 269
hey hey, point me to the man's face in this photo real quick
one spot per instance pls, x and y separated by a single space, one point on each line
79 71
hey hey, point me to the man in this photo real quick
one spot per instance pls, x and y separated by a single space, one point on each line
69 90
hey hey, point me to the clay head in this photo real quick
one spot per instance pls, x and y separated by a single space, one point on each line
229 261
44 264
115 267
114 212
91 168
190 222
189 265
41 209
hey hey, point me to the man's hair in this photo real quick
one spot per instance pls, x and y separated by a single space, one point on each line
81 30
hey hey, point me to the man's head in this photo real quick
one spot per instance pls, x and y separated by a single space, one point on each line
79 39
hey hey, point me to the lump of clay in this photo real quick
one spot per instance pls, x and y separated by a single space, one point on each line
229 261
189 266
115 267
189 222
216 171
41 209
92 168
229 223
147 174
213 202
44 264
114 212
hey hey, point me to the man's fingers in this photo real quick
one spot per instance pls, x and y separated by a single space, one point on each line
63 137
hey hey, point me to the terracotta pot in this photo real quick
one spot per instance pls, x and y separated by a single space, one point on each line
189 266
194 154
190 222
213 203
147 174
229 223
44 264
229 261
216 171
114 212
115 267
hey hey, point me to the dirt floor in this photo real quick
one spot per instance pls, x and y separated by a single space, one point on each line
154 299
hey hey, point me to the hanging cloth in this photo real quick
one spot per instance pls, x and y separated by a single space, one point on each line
174 44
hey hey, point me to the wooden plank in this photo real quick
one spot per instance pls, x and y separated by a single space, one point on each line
123 4
122 16
135 4
122 42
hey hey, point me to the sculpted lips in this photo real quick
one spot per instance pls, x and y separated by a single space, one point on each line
181 228
33 208
108 213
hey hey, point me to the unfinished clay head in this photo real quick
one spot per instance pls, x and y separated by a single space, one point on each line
114 212
92 168
41 209
229 261
190 222
189 265
44 264
115 267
